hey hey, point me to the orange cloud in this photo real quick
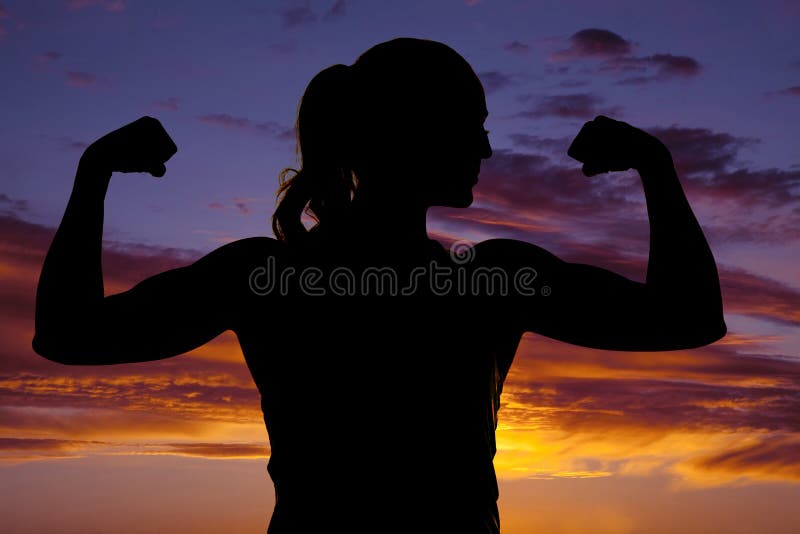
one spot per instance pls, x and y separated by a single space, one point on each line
764 457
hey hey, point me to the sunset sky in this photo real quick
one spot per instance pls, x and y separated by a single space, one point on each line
704 440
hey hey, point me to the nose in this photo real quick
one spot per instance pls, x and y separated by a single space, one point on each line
486 147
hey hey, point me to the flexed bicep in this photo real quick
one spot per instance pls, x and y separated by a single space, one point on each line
165 315
590 306
680 304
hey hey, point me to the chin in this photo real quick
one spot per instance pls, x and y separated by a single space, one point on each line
467 201
461 200
453 195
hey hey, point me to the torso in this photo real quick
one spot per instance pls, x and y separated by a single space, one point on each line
377 404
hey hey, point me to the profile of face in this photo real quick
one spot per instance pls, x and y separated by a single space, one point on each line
425 130
452 143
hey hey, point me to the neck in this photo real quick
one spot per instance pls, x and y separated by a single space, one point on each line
388 221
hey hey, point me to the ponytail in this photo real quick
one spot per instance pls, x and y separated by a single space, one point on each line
324 184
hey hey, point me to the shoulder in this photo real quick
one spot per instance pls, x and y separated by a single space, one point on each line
229 272
512 252
245 251
234 262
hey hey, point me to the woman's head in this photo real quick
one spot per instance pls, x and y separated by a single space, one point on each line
402 125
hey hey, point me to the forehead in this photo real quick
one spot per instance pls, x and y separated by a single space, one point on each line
459 95
424 90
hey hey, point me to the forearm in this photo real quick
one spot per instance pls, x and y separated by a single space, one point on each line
70 291
681 270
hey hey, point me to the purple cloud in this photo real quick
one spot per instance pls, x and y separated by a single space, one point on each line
616 57
298 16
569 106
517 47
337 10
225 120
773 453
789 91
494 80
547 144
594 42
273 129
12 206
72 144
543 197
276 130
81 79
48 57
242 205
654 68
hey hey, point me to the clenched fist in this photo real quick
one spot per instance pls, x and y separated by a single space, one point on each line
604 145
141 146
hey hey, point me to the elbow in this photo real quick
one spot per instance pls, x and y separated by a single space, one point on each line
49 338
51 349
45 348
709 326
690 324
699 334
682 334
715 332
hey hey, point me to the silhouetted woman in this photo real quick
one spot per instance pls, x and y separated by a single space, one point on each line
379 356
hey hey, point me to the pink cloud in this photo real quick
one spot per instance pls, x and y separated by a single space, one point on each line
244 124
242 206
594 42
48 57
225 120
789 91
81 79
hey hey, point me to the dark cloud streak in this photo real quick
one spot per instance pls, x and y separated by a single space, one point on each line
295 17
517 47
569 106
616 59
594 42
495 80
272 129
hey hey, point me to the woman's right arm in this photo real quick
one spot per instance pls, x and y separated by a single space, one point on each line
165 315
